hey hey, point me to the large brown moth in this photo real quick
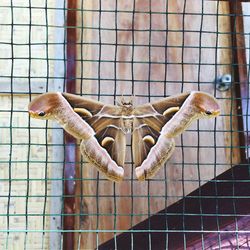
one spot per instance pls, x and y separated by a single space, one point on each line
102 128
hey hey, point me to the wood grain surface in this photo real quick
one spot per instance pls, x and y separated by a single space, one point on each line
172 53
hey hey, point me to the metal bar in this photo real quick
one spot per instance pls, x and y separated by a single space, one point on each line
70 142
240 76
216 204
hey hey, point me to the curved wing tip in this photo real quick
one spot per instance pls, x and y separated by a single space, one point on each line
116 175
140 173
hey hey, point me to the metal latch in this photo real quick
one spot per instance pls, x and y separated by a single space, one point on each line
224 82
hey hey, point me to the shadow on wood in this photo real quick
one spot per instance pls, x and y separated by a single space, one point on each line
206 217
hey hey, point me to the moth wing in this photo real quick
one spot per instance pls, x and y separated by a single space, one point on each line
106 121
157 156
143 138
150 148
113 139
79 102
101 159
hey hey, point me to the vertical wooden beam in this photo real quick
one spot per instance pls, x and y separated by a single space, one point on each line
240 76
71 46
70 142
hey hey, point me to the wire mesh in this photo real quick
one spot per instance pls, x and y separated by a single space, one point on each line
146 49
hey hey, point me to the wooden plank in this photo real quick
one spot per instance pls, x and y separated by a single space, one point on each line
22 88
197 240
70 142
26 172
200 219
84 88
229 105
36 87
57 135
241 77
56 187
35 51
39 163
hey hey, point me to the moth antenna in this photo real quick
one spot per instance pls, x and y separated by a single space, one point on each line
132 99
122 100
119 100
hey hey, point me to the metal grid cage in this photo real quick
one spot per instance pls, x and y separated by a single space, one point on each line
51 197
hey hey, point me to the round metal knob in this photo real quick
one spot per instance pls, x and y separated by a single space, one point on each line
224 82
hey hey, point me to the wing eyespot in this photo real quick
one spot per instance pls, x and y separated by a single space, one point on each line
149 139
83 111
107 140
171 110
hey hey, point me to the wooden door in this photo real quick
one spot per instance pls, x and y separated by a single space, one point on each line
153 51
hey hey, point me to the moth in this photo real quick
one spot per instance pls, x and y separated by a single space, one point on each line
102 128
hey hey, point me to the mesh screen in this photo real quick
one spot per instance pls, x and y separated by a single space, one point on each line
144 50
